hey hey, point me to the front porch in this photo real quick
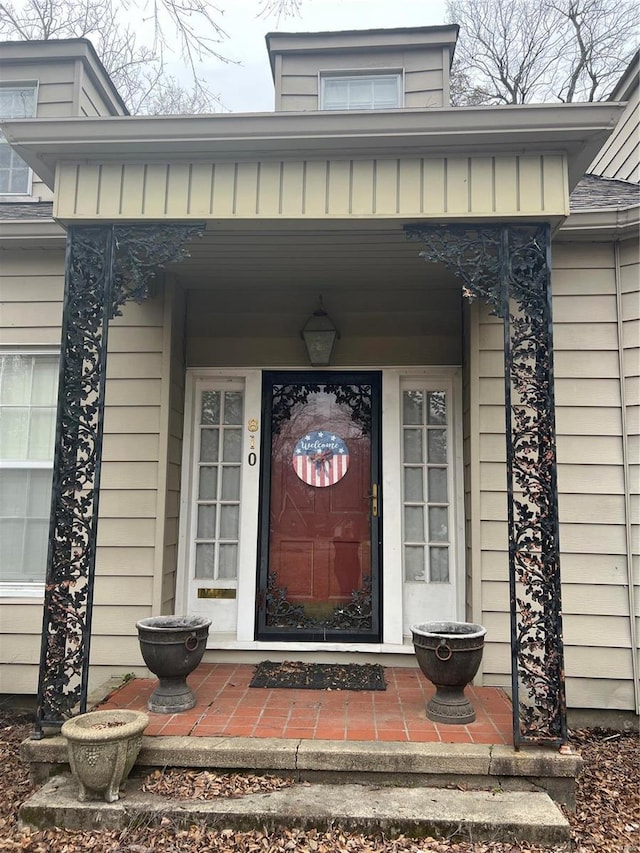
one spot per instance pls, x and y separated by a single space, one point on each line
227 706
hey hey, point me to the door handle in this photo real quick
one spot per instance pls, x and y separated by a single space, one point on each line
374 500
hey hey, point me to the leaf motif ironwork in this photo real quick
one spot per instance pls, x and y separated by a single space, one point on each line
354 615
105 266
509 267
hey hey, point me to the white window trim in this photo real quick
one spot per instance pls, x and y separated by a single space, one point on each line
35 589
367 73
21 84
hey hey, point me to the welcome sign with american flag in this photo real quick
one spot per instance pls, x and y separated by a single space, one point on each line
320 459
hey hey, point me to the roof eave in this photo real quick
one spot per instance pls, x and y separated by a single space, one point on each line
605 223
579 130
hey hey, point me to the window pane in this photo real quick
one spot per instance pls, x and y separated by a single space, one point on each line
15 380
231 483
45 382
413 445
12 531
233 407
208 484
42 434
231 445
438 524
14 426
414 564
13 492
385 92
437 485
229 516
439 564
205 561
414 524
336 94
39 492
437 445
228 562
35 549
206 522
209 442
360 94
412 407
413 484
437 407
210 407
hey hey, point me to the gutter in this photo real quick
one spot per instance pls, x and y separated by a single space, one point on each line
601 224
633 634
576 130
14 232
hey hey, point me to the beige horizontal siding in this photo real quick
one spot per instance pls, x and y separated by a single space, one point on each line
524 185
620 157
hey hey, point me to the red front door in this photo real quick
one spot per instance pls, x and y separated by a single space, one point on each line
321 512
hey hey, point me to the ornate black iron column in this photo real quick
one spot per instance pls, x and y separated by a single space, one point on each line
105 266
509 266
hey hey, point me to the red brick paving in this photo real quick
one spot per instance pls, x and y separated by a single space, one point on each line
226 705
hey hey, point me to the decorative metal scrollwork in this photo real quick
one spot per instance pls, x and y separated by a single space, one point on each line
354 615
105 266
509 267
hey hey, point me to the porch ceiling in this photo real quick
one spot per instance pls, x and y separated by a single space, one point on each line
310 258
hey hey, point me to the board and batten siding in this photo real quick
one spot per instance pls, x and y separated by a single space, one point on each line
591 481
137 426
458 187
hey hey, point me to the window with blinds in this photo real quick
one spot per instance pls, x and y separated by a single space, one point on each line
28 388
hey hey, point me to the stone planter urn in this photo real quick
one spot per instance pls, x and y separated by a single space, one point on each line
449 654
172 647
103 747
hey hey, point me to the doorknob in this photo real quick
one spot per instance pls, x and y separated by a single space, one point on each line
374 500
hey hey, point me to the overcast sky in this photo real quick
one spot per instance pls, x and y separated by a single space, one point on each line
248 87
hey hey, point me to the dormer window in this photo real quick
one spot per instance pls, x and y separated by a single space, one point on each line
360 91
15 175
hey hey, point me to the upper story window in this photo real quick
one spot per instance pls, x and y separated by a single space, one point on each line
15 175
360 91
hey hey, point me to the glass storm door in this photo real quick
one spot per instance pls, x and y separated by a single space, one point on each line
320 508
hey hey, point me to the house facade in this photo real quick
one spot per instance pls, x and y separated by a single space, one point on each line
312 501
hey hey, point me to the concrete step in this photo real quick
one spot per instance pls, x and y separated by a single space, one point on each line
476 766
509 816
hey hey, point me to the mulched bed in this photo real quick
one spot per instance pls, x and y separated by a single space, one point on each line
319 676
607 819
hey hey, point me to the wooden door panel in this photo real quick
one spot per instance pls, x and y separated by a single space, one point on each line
317 551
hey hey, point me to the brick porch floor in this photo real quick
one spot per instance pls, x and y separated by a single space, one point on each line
226 705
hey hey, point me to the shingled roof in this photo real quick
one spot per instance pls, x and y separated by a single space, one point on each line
12 210
593 192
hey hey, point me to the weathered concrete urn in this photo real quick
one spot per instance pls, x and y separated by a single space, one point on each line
103 747
172 647
449 654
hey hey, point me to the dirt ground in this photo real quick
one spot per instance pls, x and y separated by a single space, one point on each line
607 818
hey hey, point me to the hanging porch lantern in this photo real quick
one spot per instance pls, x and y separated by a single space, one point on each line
319 335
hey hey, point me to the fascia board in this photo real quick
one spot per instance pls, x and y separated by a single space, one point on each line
25 231
579 130
604 223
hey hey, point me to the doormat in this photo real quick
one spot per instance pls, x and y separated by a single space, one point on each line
319 676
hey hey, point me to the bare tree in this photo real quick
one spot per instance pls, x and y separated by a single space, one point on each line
133 39
518 51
